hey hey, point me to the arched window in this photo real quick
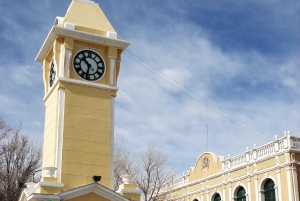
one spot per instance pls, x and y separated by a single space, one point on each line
195 199
217 197
269 190
241 194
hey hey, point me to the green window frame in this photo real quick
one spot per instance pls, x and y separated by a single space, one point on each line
241 194
269 190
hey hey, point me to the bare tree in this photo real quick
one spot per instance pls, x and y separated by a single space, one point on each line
19 158
123 164
4 129
149 172
153 173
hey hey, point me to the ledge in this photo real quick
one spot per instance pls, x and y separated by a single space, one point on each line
57 30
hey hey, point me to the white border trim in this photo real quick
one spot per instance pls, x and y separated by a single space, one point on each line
112 71
112 137
59 134
95 188
236 189
79 82
262 182
97 66
94 38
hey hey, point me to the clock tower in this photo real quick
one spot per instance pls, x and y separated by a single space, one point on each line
81 62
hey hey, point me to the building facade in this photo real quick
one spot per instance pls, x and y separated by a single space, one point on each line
267 173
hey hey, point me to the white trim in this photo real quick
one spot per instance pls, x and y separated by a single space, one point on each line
79 82
59 135
95 188
236 188
67 60
279 184
46 184
112 71
137 191
207 195
288 177
217 192
38 197
294 175
261 186
223 193
44 79
87 1
61 67
249 187
58 30
256 187
112 119
229 192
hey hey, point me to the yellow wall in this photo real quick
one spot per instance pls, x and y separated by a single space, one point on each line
86 147
49 148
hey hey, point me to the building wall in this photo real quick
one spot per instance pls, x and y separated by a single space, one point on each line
249 170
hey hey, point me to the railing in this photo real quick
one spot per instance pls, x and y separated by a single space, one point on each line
264 151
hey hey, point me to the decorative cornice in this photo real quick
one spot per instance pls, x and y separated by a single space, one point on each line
79 82
57 30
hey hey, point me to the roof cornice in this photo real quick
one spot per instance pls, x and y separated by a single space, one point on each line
58 30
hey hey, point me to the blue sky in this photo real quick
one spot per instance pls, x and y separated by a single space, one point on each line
230 65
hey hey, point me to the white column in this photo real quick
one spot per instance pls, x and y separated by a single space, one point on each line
249 188
229 191
256 187
202 196
279 197
207 195
112 119
223 192
289 182
61 59
112 76
294 174
67 61
59 135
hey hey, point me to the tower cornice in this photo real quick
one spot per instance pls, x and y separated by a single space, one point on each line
58 30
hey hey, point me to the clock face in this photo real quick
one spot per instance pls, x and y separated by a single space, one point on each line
52 73
89 65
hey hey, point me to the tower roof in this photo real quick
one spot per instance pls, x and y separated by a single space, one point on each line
87 14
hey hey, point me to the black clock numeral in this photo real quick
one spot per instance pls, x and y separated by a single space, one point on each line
97 59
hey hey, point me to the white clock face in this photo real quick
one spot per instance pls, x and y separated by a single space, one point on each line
89 65
52 73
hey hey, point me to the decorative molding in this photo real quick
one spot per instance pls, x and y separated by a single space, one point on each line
94 38
112 133
80 82
112 71
59 132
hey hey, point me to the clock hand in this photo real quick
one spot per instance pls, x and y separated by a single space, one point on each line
87 63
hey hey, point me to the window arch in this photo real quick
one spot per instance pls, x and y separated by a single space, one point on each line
241 194
269 190
195 199
217 197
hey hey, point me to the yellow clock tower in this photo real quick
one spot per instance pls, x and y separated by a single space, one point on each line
81 61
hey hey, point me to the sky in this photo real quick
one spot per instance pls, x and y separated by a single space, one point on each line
225 69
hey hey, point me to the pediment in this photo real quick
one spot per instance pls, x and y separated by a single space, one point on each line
90 192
